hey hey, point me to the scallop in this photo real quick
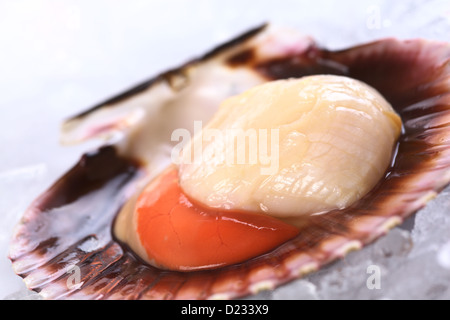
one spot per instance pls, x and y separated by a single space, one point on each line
68 229
292 147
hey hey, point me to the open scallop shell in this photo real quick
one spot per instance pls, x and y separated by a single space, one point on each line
64 249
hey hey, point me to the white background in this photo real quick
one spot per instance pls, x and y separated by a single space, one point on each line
59 57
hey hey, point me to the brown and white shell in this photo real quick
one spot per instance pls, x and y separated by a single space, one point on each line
68 228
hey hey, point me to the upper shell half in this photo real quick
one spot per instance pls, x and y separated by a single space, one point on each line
66 232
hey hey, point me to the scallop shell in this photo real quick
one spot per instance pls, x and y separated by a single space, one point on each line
63 246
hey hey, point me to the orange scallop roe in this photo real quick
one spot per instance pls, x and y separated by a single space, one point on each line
178 234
